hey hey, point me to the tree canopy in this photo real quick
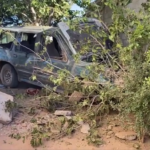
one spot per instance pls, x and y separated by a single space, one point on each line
36 11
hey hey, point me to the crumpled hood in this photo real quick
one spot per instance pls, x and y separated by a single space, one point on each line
80 68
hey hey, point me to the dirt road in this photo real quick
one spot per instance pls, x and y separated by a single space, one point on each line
22 124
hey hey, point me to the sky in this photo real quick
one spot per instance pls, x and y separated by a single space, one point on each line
76 7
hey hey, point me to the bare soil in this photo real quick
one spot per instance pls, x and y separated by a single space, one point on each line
22 124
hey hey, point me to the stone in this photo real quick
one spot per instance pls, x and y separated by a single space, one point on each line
110 133
85 128
131 137
62 113
110 127
46 117
44 121
108 137
80 122
69 117
126 136
5 116
68 143
55 131
76 96
136 145
24 124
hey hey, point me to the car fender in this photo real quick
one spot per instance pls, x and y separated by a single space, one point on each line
5 57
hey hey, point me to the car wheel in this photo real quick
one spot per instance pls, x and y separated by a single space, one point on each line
9 76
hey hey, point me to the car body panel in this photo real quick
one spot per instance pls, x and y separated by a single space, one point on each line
28 64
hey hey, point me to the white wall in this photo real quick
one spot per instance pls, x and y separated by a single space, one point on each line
135 5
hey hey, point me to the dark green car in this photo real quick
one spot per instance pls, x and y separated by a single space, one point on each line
20 49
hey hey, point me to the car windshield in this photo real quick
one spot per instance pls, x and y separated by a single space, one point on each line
87 36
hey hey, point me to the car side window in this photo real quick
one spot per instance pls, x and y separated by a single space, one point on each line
6 39
51 47
26 43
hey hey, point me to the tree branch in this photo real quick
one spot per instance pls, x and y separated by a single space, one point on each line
51 13
27 17
34 16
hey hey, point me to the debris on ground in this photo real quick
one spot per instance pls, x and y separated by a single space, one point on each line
108 136
68 117
76 96
57 125
110 127
62 113
80 122
5 116
136 145
87 83
110 133
32 91
85 128
130 136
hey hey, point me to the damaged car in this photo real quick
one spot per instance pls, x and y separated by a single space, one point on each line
20 49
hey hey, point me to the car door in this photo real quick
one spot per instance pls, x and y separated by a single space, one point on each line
23 61
57 63
6 43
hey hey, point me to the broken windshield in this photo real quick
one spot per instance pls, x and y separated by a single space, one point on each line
89 36
89 39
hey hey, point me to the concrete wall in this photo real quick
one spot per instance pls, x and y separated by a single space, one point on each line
107 14
136 4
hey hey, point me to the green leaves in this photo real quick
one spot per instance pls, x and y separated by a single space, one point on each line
40 12
34 77
94 138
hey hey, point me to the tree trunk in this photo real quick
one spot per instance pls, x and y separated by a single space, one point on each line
51 13
34 16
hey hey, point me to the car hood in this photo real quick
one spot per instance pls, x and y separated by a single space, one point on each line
81 67
64 28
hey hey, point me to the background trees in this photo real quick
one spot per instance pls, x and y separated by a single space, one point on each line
35 11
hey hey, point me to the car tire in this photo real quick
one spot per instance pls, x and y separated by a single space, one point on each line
9 76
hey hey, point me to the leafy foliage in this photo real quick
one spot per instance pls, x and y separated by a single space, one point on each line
134 98
132 60
36 11
10 106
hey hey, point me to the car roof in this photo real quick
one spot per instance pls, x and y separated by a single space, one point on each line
27 29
